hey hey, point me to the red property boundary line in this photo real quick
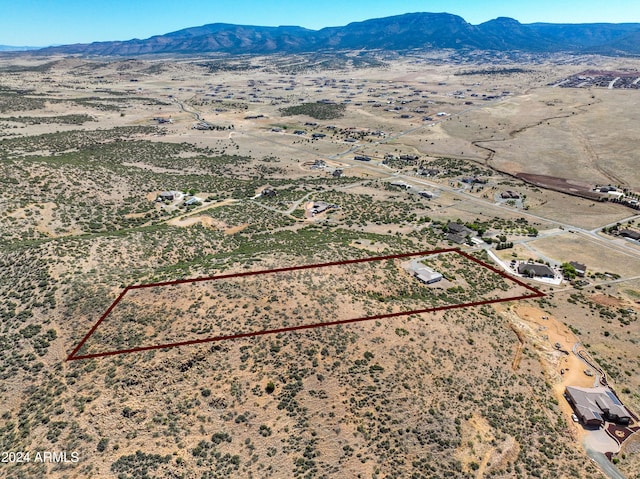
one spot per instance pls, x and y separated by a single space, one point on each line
74 357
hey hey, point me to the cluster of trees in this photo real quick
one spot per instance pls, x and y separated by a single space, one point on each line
568 271
319 111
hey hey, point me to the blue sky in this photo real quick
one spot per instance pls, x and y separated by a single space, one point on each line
47 22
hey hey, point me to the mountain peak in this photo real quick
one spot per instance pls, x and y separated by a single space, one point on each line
419 30
504 21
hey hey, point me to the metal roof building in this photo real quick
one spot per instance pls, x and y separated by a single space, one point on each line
423 273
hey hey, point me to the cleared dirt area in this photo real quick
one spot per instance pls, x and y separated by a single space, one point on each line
607 300
186 221
564 185
544 333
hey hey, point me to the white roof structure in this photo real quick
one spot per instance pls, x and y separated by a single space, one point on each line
423 273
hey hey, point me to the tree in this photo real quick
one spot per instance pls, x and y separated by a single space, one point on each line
568 271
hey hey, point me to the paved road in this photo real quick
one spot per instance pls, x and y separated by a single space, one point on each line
624 220
606 467
590 235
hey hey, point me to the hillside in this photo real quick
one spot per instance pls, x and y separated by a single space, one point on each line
398 33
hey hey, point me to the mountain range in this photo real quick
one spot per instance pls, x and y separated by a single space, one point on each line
398 33
10 48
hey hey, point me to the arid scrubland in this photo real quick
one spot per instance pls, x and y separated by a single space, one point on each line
300 160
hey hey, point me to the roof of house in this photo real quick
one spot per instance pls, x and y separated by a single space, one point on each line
428 171
458 228
535 269
171 194
423 272
428 276
595 402
630 234
510 194
578 266
321 206
456 238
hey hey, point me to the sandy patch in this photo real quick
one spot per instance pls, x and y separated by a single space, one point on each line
554 343
186 221
548 333
135 215
480 446
204 220
607 300
235 229
307 210
42 217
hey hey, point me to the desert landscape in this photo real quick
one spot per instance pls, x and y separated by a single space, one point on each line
119 172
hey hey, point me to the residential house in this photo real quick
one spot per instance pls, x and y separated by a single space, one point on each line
626 233
456 238
458 228
321 207
170 196
535 270
509 195
580 268
423 273
428 172
594 406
